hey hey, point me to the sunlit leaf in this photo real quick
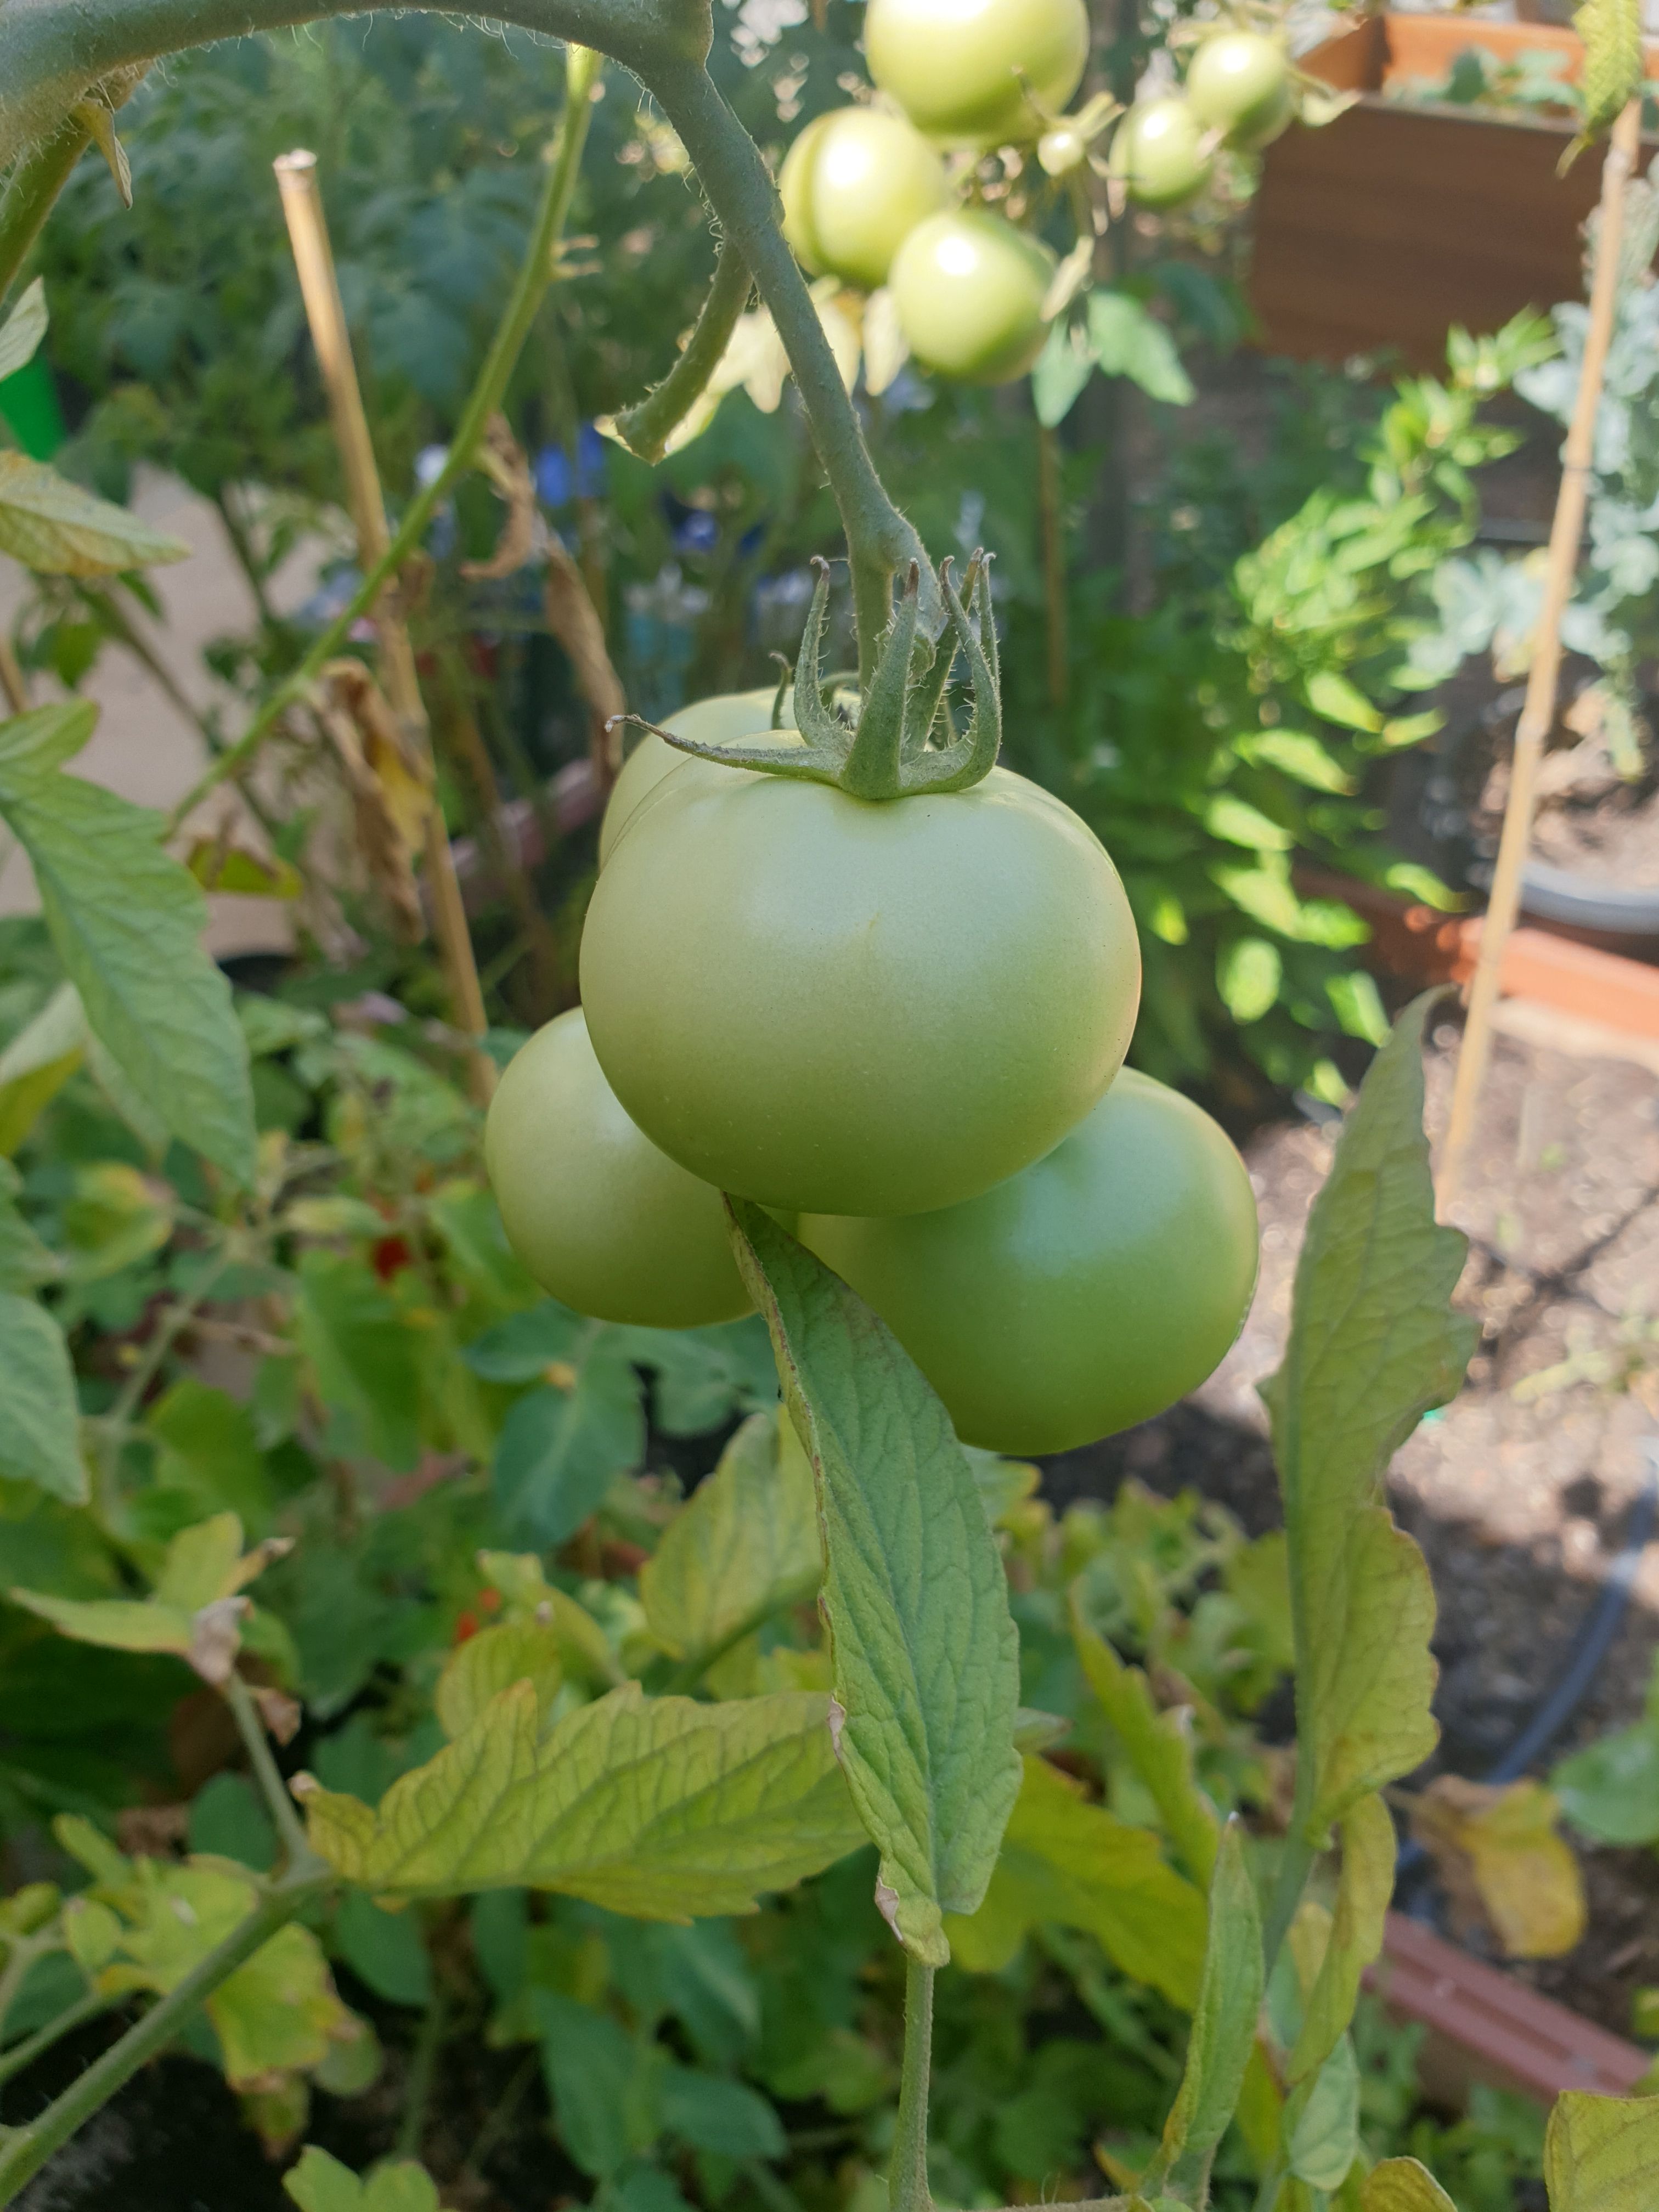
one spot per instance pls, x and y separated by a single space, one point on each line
1601 2153
1158 1744
743 1547
660 1807
924 1651
491 1662
54 527
1127 341
1401 2184
1502 1845
1374 1344
1355 1934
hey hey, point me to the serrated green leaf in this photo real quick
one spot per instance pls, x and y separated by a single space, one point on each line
1129 341
601 2081
584 1650
1322 2122
924 1652
40 1440
1374 1345
743 1547
662 1809
1356 1939
1158 1744
1612 72
23 329
563 1446
1224 2027
1401 2184
1601 2153
55 528
1075 1865
491 1662
127 923
365 1360
194 1613
317 2183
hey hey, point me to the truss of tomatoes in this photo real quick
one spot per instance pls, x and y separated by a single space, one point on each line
898 1021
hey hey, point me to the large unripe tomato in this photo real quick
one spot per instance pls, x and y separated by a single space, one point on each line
602 1220
842 1006
1239 83
969 289
956 66
854 184
1083 1296
1157 153
733 717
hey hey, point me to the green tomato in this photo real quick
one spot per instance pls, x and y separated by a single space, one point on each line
1081 1297
956 66
968 288
834 1005
602 1219
1239 83
854 184
733 717
1157 153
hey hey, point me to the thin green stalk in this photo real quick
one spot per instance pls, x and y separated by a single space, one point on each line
423 2073
22 2056
907 2177
647 428
279 1802
879 541
582 69
32 192
24 2151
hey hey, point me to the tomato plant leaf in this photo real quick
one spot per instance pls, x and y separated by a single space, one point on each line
1224 2027
660 1807
563 1446
743 1547
23 329
1401 2184
317 2183
584 1650
1363 1890
1374 1344
1611 32
1066 1861
1158 1744
1322 2122
1060 372
923 1649
41 1442
601 2080
127 922
55 528
38 1062
365 1360
491 1662
1129 341
1601 2153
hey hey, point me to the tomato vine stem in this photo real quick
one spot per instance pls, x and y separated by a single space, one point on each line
647 429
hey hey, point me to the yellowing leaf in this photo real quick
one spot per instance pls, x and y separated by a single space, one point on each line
1355 1934
1066 1862
1158 1744
220 866
584 1650
390 784
1499 1851
660 1807
491 1662
1601 2153
1401 2184
744 1546
923 1650
317 2183
1611 32
55 528
1374 1344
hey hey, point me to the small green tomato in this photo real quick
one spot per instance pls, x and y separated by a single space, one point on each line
605 1222
1157 153
1239 83
977 73
968 289
854 184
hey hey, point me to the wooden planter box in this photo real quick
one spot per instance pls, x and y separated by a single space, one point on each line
1390 225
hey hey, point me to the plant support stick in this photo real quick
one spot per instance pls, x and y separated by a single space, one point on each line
1538 714
297 175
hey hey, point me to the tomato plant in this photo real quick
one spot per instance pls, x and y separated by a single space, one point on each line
968 288
601 1218
854 183
1158 153
737 718
977 73
1239 82
1084 1295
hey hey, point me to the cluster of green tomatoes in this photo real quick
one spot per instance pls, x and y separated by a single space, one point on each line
868 197
898 1024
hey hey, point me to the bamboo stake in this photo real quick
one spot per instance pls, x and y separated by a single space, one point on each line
12 681
1538 713
296 178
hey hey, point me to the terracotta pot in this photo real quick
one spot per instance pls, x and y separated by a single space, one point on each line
1385 227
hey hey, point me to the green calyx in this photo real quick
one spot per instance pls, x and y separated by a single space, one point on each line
887 751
